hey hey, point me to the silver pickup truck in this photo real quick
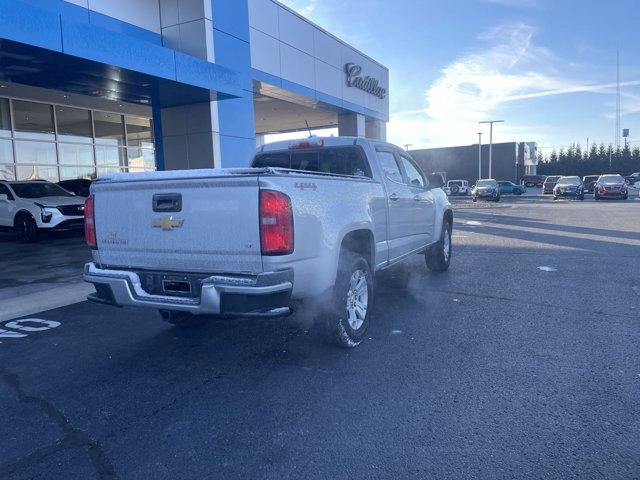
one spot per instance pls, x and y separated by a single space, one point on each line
309 224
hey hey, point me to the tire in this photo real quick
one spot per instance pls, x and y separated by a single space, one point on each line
455 190
596 197
346 321
475 199
581 197
182 319
438 257
626 196
26 229
555 198
518 192
497 199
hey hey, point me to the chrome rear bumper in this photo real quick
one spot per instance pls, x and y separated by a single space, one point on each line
264 295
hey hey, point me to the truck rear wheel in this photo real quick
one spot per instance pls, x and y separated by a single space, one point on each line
438 257
182 319
347 319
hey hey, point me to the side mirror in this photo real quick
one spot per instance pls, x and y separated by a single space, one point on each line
3 197
435 180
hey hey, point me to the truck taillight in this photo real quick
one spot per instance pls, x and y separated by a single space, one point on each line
90 223
276 223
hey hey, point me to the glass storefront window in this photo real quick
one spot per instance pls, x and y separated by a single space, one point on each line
38 153
73 154
6 151
72 173
37 172
109 156
109 128
139 132
33 120
7 172
74 125
5 118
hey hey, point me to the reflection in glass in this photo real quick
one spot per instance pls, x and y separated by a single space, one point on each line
139 132
74 124
72 173
109 128
106 171
5 118
37 172
7 172
6 151
36 152
109 156
73 154
33 120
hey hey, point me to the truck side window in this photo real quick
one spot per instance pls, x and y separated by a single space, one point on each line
389 166
413 174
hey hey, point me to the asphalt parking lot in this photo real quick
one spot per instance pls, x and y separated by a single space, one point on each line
521 362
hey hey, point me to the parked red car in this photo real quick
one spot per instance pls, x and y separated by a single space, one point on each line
611 186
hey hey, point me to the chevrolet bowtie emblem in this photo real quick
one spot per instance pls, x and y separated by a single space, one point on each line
168 223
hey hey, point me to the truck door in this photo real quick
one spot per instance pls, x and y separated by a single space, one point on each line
400 204
423 207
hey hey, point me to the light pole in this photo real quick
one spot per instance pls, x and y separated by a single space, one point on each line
407 145
479 155
491 122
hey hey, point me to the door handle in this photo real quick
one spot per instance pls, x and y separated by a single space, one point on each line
393 197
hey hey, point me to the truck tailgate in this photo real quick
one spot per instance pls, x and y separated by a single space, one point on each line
139 224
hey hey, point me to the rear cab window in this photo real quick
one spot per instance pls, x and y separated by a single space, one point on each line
347 160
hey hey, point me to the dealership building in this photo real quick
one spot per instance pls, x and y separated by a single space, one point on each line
509 161
95 86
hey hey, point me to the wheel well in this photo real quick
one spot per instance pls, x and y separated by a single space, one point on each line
361 242
22 213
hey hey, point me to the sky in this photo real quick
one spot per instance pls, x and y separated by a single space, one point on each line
546 67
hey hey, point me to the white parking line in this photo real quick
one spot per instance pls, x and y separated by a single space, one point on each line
548 269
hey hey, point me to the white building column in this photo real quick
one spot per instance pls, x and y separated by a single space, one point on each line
351 125
376 129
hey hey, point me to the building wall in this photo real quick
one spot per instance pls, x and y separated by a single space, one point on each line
462 162
297 53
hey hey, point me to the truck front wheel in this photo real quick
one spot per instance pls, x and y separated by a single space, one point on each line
438 257
347 318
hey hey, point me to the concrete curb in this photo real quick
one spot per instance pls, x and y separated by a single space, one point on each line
36 302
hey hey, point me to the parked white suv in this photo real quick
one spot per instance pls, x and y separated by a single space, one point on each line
29 207
457 187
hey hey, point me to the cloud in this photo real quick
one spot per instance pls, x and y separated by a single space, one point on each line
303 7
508 66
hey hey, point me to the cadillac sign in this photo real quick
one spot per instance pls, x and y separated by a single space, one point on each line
368 84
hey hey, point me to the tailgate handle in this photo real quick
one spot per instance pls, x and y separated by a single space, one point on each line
167 202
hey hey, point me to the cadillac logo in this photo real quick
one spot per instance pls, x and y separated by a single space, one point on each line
168 223
367 84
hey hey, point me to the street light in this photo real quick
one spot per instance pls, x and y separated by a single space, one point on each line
407 145
491 122
479 155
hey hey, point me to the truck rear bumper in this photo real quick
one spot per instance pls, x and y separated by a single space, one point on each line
262 295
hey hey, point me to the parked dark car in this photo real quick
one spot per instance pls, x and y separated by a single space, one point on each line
589 183
611 186
568 187
549 184
532 180
510 187
486 188
78 186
